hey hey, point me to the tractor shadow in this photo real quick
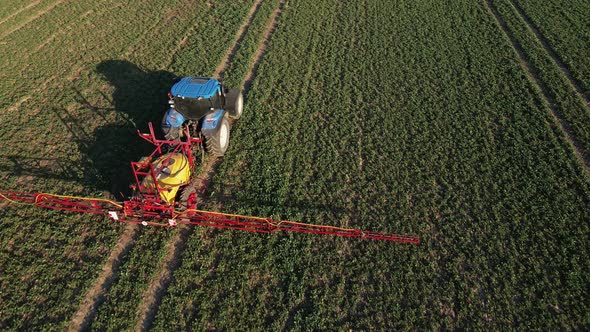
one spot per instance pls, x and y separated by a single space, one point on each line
139 97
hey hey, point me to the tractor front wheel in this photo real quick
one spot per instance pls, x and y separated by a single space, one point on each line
217 143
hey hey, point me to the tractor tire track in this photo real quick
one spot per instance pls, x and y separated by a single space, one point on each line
271 27
93 298
147 310
87 310
33 18
229 54
558 119
32 4
573 82
158 286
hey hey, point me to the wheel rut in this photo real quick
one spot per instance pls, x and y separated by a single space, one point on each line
32 4
574 83
147 309
175 247
158 286
87 310
558 120
240 34
33 18
271 27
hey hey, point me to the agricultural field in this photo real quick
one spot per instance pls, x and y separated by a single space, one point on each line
77 83
463 122
564 24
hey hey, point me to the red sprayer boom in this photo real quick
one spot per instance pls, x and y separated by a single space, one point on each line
117 212
146 207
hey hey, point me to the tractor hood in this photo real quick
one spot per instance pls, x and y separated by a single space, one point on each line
172 171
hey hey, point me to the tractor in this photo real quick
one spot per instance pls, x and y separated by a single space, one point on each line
204 107
166 189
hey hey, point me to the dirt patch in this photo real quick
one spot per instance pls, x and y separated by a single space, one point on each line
94 297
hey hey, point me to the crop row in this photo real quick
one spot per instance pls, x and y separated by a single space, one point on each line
240 62
127 292
554 83
76 135
118 311
409 117
565 24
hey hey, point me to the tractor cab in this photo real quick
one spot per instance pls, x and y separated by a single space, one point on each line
204 106
195 97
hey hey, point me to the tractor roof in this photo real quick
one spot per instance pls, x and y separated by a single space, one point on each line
195 87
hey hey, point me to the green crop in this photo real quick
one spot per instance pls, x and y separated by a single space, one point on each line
562 95
78 82
565 25
397 116
410 117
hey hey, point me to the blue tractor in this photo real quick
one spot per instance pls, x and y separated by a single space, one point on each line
204 107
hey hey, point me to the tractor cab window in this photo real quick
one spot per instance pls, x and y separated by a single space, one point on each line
188 106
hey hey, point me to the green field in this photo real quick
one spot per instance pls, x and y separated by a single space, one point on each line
565 25
419 117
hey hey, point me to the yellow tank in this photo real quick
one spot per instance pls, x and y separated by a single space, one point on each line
172 171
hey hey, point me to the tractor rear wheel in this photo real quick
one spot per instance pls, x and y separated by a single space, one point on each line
170 133
217 143
234 103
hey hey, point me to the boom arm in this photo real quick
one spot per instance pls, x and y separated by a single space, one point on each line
138 212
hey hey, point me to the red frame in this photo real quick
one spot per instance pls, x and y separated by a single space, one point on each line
146 206
147 202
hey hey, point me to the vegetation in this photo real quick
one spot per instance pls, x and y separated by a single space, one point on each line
560 93
565 24
411 117
240 62
119 309
78 82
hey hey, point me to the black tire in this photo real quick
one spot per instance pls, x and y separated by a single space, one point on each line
188 198
217 143
170 133
234 103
